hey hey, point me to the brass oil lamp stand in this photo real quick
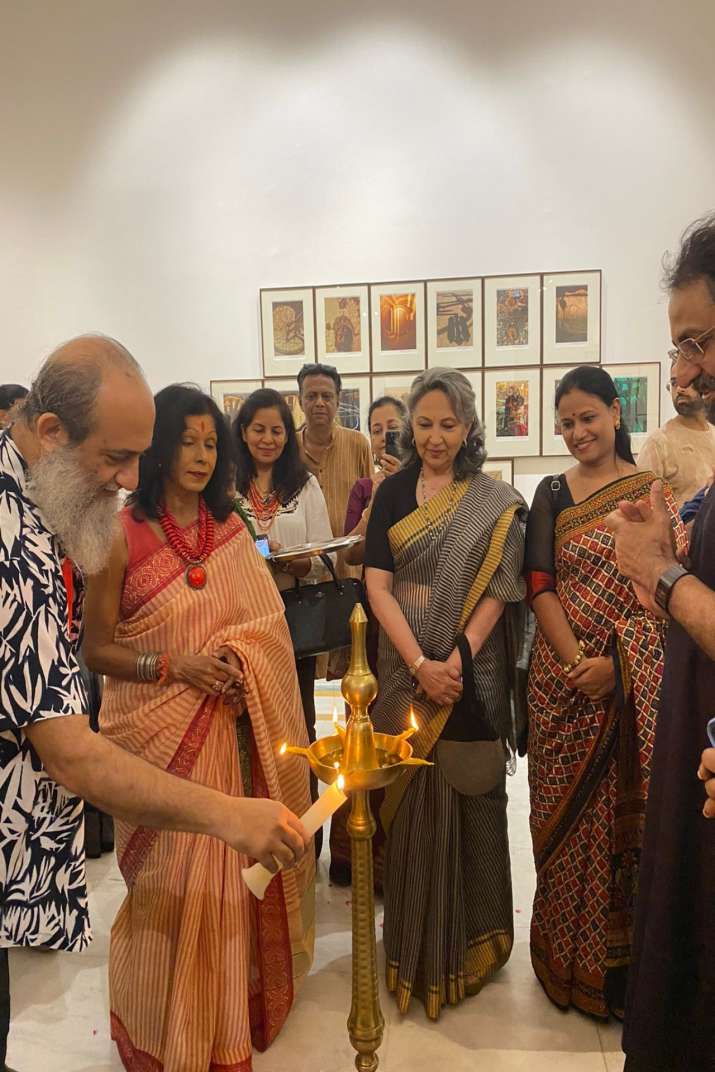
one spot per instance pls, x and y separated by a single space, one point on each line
366 760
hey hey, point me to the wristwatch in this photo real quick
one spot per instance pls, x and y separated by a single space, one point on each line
666 583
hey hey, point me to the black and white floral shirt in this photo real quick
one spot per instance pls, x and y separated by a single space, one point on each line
43 894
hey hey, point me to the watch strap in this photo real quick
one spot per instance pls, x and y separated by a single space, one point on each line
666 583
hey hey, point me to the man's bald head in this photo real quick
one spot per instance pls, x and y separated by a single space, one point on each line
72 378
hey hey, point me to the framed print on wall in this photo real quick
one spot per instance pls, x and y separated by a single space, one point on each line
454 323
398 326
287 330
500 469
512 320
352 409
342 323
229 395
638 387
552 442
572 318
512 412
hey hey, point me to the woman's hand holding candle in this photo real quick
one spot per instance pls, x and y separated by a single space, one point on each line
258 876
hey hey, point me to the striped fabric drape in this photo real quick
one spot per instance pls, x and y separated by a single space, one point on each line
448 906
199 971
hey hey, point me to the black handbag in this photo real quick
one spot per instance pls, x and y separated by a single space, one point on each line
318 615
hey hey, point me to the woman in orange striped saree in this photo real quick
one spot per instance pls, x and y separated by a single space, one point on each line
200 972
594 684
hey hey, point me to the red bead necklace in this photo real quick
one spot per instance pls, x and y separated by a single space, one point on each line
195 574
264 507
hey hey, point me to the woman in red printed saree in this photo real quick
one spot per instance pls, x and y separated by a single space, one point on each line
200 972
594 684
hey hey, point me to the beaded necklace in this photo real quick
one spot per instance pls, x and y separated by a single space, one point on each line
195 573
264 507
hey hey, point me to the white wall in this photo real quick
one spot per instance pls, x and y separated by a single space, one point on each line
161 162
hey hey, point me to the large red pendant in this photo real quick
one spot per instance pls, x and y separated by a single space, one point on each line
196 576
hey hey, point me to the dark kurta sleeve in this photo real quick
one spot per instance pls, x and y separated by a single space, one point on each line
378 554
539 562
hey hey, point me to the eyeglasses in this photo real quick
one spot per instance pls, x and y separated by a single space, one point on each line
691 349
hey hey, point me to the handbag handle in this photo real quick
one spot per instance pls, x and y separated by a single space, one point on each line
328 563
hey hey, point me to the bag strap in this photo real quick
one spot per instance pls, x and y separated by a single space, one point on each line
328 563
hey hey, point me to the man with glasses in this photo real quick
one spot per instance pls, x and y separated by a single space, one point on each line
683 450
671 1001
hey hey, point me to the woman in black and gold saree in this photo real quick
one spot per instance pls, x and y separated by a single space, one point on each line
443 563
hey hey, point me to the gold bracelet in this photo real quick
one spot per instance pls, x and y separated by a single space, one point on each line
414 667
580 656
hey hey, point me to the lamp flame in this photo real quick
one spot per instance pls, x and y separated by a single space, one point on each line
341 783
335 716
283 749
336 765
413 721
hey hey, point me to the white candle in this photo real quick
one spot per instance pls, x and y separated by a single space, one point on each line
258 876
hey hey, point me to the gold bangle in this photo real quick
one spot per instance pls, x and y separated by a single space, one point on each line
580 656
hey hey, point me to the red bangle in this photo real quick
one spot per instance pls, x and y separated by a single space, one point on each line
163 668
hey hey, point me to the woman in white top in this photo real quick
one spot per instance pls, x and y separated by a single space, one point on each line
283 501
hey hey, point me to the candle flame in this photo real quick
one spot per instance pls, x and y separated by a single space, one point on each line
336 765
413 721
283 749
335 716
341 783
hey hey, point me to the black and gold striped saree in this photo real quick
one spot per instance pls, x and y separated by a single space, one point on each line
448 907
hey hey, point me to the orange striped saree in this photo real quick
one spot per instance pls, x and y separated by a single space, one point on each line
199 971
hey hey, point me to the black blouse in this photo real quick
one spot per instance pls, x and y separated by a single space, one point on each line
552 496
394 499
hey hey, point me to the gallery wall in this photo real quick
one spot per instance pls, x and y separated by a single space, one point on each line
163 162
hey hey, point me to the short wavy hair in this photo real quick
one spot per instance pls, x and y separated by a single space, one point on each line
695 259
460 394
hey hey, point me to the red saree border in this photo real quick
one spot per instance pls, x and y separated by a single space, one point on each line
269 1008
135 1060
181 765
157 570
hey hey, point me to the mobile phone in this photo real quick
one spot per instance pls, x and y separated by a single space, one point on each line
711 731
262 546
392 439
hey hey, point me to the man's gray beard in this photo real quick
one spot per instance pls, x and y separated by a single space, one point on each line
81 514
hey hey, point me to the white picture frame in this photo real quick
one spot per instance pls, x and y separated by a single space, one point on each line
360 409
287 330
512 399
351 305
640 409
512 320
454 323
229 395
572 318
500 469
397 312
399 386
552 442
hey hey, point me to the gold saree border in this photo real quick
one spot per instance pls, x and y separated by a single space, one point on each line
409 529
584 516
424 741
484 957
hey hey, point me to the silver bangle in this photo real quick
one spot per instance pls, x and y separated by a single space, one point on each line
147 667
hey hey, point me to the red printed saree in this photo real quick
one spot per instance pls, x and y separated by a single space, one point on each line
590 762
200 972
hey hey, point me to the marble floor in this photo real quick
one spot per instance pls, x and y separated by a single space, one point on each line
59 1019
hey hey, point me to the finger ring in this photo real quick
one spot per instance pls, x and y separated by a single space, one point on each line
217 686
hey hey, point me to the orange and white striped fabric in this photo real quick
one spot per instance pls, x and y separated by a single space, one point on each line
200 972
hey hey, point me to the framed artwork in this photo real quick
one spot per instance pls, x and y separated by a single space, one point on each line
552 442
229 395
638 387
342 322
572 318
512 320
398 326
454 323
400 387
287 330
500 469
512 412
353 406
